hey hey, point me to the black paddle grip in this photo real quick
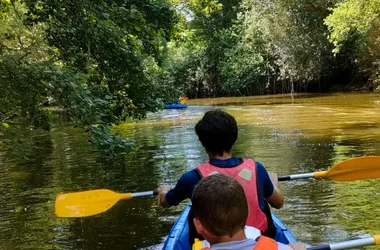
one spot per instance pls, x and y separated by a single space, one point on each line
284 178
322 247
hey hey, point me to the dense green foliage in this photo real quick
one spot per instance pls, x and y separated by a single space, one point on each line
111 41
255 47
106 61
357 23
97 61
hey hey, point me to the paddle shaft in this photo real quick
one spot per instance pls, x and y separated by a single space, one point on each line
143 194
127 196
368 241
302 176
296 177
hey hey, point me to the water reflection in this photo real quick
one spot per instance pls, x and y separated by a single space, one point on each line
304 134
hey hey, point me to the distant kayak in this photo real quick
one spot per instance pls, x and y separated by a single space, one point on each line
175 106
178 238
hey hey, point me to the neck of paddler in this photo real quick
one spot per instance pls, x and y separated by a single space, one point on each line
239 236
226 155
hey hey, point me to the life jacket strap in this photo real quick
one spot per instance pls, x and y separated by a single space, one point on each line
200 245
266 243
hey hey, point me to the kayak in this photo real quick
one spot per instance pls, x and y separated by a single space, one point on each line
178 238
175 106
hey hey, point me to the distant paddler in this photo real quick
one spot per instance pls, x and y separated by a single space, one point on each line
183 99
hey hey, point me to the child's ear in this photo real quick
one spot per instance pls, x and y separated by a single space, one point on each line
198 226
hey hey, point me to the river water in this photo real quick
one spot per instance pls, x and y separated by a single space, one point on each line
305 133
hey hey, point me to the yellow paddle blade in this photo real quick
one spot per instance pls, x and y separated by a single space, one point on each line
361 168
377 239
87 203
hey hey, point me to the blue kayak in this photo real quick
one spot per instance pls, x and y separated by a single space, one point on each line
178 238
175 106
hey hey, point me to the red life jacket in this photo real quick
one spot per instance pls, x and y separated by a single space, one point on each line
245 174
264 243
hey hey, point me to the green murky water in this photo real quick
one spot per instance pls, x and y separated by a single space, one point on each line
288 135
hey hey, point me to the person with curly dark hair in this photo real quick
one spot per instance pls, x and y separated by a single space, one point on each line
218 132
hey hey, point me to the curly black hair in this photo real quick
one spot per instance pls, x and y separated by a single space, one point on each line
217 131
